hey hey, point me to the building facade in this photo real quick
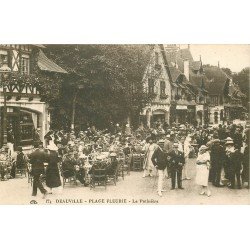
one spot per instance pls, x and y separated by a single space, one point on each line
25 111
158 86
183 90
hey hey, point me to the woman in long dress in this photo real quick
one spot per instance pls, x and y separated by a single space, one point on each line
148 165
52 172
202 170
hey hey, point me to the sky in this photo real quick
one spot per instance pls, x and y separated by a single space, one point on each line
235 57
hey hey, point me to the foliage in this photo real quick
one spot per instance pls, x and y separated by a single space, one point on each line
47 84
227 71
242 79
110 77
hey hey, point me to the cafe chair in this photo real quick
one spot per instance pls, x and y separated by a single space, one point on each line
66 178
99 177
137 162
20 171
112 175
123 167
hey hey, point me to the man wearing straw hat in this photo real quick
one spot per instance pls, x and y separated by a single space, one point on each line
159 159
177 161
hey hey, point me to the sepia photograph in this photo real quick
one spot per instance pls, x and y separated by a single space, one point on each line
124 124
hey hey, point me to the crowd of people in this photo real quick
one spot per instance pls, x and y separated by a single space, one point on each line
222 155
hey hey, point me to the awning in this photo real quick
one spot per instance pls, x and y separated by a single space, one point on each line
199 108
181 107
44 63
158 112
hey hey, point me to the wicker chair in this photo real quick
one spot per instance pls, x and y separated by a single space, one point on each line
112 175
99 177
137 162
66 178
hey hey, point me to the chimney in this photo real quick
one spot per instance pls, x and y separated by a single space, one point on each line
186 69
218 64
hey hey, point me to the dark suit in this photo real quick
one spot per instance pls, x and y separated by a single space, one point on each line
217 158
159 159
245 162
177 161
238 140
234 162
37 159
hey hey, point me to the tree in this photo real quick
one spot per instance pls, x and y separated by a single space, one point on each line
227 71
111 76
242 79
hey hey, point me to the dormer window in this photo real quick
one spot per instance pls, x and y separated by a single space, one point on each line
156 58
3 57
25 64
162 87
151 86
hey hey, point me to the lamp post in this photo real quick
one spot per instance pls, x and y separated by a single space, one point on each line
4 70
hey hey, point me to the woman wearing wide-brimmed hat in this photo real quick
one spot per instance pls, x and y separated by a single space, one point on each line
148 165
202 170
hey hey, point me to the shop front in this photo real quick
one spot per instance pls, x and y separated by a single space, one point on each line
22 122
234 113
21 125
153 114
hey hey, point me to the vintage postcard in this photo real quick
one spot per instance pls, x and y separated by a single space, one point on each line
124 124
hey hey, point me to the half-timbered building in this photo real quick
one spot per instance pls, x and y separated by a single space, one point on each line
25 111
183 90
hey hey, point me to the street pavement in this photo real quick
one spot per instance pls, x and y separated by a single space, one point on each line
132 190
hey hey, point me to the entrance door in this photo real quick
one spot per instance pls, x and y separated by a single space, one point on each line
13 123
21 123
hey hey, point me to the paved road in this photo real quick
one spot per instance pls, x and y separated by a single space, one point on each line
132 190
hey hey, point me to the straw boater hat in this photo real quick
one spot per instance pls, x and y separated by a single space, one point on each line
203 147
175 145
52 147
113 154
229 142
216 141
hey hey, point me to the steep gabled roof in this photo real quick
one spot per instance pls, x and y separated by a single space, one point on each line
216 80
39 46
178 79
185 54
45 64
178 57
196 65
175 73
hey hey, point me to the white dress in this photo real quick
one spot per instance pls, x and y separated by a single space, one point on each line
148 164
202 171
